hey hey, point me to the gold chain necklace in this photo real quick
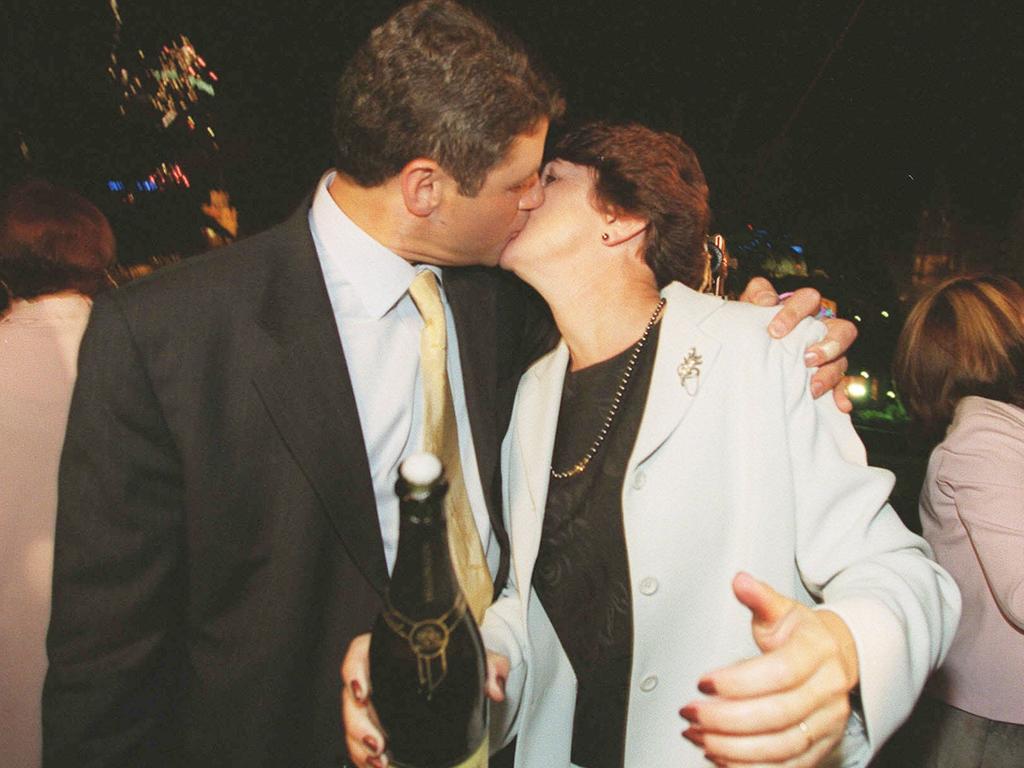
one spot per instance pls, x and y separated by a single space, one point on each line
582 464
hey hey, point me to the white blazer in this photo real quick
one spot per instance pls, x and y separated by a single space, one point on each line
735 468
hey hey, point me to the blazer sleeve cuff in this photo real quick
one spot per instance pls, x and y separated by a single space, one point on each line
891 671
499 636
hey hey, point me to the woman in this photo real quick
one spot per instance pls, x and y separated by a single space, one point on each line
55 248
643 472
960 370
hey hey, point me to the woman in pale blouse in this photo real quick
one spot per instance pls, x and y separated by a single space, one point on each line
55 248
960 371
633 557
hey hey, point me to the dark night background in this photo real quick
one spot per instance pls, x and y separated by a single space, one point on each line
868 133
919 103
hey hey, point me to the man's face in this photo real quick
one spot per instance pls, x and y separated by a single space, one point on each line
477 229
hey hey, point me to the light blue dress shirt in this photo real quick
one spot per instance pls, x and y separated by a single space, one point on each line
368 286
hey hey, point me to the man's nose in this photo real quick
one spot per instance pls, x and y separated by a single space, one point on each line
533 196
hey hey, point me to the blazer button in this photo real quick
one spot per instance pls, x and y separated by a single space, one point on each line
649 586
639 479
648 684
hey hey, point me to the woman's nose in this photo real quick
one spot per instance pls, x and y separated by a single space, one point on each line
533 196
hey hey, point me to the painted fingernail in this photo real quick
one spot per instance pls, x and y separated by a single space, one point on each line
707 687
371 744
810 358
776 329
357 689
828 349
696 735
690 713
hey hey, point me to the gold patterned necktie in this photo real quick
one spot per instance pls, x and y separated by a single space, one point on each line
441 437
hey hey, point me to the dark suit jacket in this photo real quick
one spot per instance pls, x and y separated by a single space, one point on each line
217 538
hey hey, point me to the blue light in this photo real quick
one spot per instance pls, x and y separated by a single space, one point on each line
115 186
799 249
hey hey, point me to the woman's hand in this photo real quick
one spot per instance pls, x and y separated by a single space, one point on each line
363 735
828 354
787 707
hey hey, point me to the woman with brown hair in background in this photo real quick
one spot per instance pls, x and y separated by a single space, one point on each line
960 370
55 250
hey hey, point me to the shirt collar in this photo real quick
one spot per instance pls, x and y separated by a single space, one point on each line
348 255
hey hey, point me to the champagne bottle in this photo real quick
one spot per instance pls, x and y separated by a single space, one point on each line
427 666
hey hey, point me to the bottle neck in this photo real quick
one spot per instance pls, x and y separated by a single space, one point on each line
423 578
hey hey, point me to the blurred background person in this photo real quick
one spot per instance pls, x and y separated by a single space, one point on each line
55 250
959 367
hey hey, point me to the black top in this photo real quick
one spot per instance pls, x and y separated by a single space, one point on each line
582 569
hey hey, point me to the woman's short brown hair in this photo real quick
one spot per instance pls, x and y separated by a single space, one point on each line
52 239
653 175
964 337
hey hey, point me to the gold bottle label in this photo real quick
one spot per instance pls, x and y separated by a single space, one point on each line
428 639
477 760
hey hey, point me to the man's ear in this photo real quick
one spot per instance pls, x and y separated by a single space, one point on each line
622 227
421 181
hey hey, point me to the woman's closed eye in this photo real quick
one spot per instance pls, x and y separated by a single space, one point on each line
548 178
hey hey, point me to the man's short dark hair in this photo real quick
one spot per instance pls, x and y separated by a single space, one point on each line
437 80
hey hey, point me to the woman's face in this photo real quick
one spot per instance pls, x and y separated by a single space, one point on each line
564 230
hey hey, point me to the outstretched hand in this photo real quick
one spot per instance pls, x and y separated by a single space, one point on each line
787 707
829 354
364 737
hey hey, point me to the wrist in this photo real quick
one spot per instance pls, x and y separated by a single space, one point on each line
845 644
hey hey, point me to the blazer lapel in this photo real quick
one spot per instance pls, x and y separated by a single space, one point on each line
540 397
305 385
680 342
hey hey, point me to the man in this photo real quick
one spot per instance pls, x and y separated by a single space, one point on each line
227 520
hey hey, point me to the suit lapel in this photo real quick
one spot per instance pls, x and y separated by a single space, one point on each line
680 341
471 297
473 300
305 385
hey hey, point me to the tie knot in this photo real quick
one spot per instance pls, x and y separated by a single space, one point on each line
427 297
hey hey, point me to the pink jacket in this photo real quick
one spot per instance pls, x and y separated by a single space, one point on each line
972 512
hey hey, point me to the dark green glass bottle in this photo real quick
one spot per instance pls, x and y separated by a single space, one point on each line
427 664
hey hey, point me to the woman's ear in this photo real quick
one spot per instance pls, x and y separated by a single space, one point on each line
621 227
421 182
